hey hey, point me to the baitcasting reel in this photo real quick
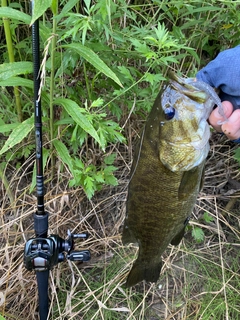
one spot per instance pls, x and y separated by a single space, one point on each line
42 254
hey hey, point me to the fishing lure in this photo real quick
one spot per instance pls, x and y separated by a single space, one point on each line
212 93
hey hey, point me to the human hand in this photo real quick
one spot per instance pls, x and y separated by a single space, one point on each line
231 128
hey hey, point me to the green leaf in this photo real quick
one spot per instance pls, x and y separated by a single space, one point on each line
54 7
18 134
7 12
16 81
74 111
8 127
89 186
151 78
67 8
110 158
94 60
198 234
97 103
237 154
39 7
79 164
110 179
193 53
99 177
207 218
205 9
63 154
125 72
12 69
142 48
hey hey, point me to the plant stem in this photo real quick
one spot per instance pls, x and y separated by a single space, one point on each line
8 37
6 185
87 82
52 86
52 82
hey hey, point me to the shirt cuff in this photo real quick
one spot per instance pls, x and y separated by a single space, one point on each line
236 140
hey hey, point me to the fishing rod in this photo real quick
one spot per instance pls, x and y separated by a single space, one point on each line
43 252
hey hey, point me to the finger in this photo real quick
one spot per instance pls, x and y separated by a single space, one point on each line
232 127
215 117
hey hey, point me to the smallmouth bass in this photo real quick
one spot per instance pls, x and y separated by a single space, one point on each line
166 174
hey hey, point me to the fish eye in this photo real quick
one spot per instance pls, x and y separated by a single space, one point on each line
169 113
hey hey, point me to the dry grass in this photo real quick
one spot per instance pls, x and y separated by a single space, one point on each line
198 279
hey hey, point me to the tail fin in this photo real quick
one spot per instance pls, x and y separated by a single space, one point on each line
140 272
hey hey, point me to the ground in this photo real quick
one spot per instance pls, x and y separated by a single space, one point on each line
199 279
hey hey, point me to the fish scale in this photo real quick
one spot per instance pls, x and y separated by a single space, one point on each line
160 200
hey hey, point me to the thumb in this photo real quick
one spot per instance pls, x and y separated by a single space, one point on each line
216 116
232 127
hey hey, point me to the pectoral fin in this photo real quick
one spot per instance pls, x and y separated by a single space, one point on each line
177 239
202 179
189 181
127 236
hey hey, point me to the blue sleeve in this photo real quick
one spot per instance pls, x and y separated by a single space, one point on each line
224 73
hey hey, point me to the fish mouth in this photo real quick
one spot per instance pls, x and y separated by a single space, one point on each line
189 90
186 86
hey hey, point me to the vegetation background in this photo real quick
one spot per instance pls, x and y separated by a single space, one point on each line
103 63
